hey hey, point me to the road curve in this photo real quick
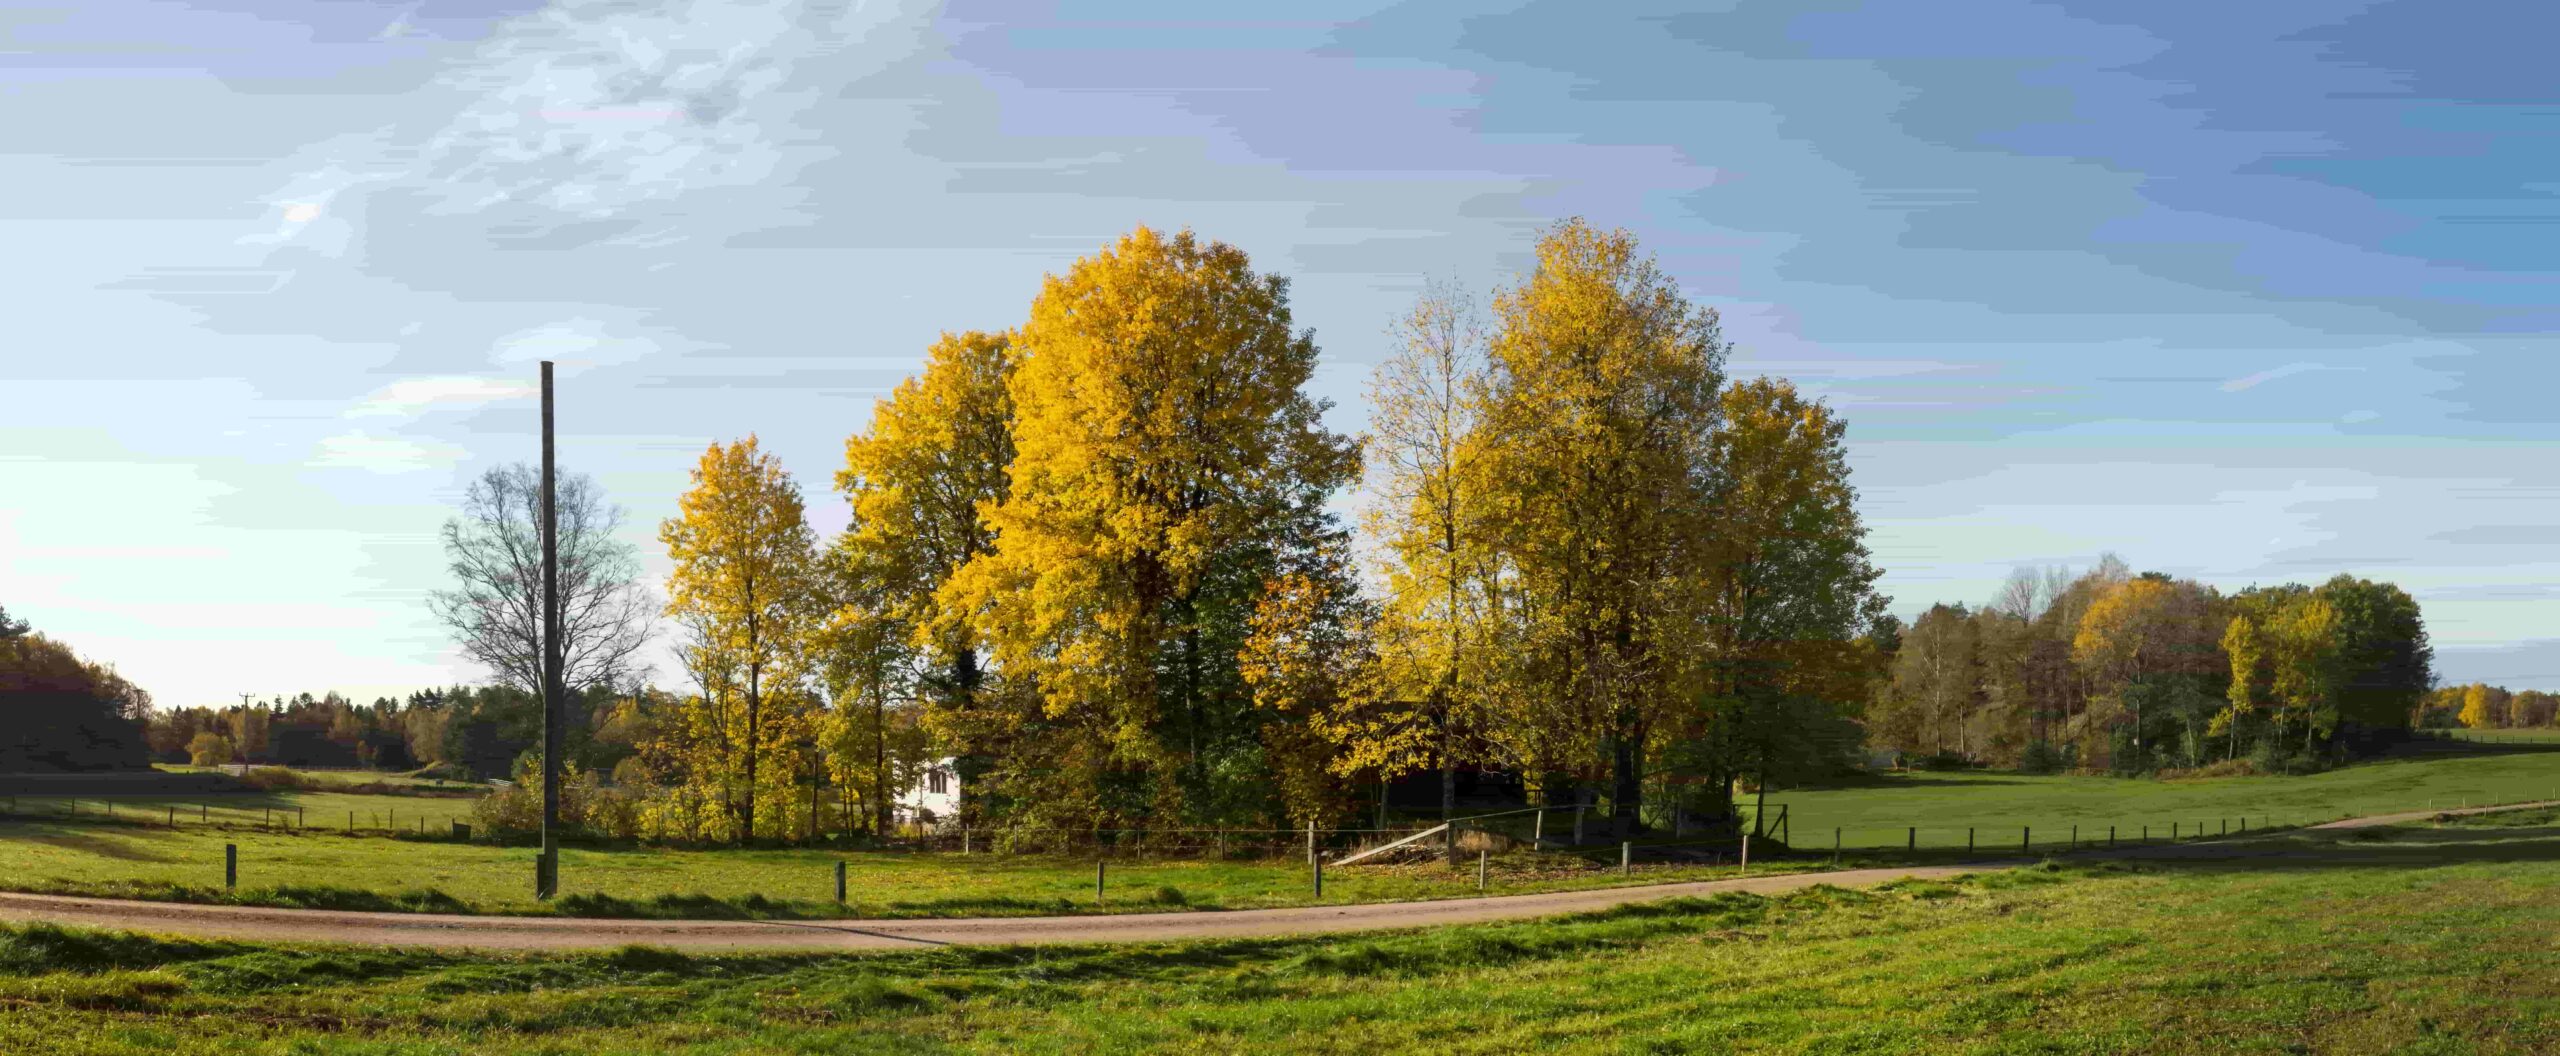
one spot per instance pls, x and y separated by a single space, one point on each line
449 931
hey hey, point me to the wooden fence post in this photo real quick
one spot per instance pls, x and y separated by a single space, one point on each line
2026 839
1746 853
1098 866
1626 857
1479 870
1968 841
230 866
839 881
1835 847
1912 839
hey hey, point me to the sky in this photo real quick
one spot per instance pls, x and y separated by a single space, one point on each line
2252 293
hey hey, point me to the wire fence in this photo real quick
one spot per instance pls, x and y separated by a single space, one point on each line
1577 831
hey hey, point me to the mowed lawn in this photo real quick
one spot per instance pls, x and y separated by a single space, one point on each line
2423 939
1879 812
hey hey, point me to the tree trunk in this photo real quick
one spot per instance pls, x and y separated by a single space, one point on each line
881 811
1627 792
755 708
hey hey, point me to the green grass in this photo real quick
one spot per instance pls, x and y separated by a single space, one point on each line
329 811
2425 939
1877 812
331 870
43 850
2528 736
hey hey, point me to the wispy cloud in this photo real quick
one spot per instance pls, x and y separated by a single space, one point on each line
413 396
383 454
2264 376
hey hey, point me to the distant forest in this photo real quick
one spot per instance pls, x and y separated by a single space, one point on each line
2116 671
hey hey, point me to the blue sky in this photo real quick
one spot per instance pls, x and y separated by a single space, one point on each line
2250 293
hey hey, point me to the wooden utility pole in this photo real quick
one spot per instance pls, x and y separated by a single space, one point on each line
547 872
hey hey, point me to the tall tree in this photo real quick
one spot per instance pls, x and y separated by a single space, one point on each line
1165 456
1603 401
2383 652
2305 652
494 552
1789 588
743 583
1935 692
2242 646
1429 513
933 458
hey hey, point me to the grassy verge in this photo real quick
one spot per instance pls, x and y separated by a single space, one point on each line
2439 945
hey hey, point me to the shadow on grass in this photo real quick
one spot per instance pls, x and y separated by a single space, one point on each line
80 839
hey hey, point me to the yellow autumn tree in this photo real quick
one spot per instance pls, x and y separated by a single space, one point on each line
1306 657
744 588
2307 675
1601 404
1425 704
2240 643
1166 459
2477 712
933 459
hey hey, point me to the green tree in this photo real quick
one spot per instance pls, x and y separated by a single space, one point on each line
1789 588
2383 652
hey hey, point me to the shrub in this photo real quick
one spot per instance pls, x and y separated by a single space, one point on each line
274 779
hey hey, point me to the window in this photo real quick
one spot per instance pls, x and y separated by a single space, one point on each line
937 782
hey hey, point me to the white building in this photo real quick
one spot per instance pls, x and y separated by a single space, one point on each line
934 798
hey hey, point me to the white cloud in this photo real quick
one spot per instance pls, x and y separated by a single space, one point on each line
412 396
569 343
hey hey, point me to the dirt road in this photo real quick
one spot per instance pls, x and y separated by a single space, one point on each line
573 933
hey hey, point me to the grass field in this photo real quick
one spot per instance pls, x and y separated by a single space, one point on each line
328 811
2424 939
44 849
327 869
2531 736
1879 812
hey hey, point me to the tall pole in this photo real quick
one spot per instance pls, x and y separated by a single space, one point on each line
547 874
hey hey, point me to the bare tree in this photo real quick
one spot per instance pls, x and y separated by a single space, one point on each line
2022 595
495 611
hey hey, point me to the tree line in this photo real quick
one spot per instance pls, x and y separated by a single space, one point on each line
466 732
2480 706
1096 558
2112 670
63 712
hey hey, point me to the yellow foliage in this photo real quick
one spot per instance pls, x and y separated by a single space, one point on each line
1160 426
744 587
